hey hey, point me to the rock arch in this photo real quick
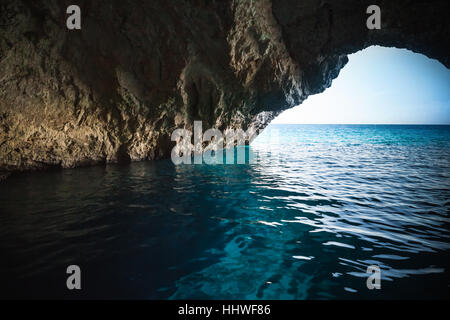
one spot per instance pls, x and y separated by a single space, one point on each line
116 89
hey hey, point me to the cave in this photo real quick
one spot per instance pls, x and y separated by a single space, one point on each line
115 90
91 207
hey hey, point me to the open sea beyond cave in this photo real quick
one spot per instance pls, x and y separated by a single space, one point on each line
320 205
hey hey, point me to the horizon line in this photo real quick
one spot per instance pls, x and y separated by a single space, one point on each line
372 124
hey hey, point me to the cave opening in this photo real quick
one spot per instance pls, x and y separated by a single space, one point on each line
380 85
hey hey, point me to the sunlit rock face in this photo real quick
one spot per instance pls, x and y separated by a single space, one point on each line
115 90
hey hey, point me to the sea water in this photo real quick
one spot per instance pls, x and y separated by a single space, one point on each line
320 204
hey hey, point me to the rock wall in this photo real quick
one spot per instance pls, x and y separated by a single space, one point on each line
116 89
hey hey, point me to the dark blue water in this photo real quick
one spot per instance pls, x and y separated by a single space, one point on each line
320 205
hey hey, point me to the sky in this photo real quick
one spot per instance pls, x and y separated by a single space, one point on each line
380 86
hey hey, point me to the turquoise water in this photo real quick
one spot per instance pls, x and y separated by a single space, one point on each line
321 204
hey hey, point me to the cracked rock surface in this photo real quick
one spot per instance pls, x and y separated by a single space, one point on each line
115 90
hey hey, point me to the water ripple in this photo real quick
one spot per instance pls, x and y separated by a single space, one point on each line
304 221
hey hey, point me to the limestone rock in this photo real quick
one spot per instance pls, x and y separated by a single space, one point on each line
116 89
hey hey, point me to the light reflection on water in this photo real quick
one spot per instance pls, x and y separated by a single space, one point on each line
304 221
